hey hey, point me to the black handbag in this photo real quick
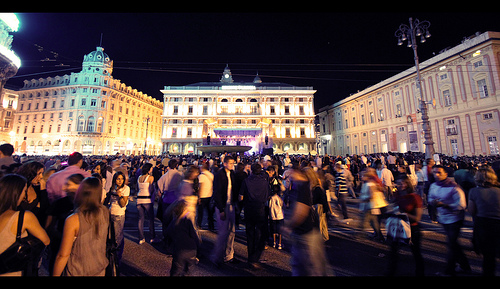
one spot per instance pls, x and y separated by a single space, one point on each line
112 269
23 253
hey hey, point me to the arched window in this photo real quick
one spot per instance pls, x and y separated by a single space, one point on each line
99 124
90 123
81 123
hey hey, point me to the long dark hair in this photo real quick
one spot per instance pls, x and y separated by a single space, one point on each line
115 176
29 170
11 187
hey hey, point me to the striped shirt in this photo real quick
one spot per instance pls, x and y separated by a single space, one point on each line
340 183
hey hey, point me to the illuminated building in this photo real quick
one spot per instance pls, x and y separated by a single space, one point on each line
238 113
88 111
9 64
8 106
461 86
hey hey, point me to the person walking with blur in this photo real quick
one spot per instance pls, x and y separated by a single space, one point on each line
411 204
185 238
254 193
56 181
341 190
83 246
374 204
484 206
308 249
449 199
167 188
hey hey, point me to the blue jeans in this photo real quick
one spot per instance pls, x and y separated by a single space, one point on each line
118 223
146 210
224 246
309 255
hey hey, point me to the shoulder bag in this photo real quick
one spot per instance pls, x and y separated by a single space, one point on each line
23 252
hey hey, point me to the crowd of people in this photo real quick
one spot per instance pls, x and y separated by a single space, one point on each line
73 202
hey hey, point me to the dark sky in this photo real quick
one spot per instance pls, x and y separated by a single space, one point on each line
336 53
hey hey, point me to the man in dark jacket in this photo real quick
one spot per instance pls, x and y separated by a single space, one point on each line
255 192
225 199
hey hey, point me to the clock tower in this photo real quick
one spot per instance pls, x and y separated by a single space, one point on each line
226 75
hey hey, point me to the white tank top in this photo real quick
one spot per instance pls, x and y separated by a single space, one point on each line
143 196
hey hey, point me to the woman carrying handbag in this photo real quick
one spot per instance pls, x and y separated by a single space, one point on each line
20 232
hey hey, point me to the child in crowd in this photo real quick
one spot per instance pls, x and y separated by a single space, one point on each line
185 239
277 218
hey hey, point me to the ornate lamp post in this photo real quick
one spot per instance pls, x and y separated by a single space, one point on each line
416 29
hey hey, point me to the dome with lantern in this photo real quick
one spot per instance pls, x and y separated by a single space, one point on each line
97 61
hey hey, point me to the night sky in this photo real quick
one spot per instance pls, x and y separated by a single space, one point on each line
335 53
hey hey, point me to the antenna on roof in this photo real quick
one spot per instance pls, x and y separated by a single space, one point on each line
100 42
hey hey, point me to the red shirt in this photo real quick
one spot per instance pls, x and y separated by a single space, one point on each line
409 204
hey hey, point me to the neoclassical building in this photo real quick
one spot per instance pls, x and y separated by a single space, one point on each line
88 111
461 86
238 113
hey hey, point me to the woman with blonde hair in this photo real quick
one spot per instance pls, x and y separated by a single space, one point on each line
83 245
374 205
484 206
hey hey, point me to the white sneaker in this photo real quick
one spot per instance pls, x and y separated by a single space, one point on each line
142 241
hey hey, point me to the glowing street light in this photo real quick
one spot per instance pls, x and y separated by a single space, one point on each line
416 29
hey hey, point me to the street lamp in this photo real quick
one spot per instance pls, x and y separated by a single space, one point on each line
416 29
146 120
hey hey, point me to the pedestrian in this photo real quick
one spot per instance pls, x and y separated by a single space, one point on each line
13 189
387 178
57 180
308 251
57 213
225 199
449 199
374 204
254 193
145 201
36 199
185 239
119 194
411 204
341 190
428 181
6 160
83 246
420 182
484 206
205 180
277 218
167 187
189 186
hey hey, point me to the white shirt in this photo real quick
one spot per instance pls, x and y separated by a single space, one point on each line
206 184
229 186
386 176
115 208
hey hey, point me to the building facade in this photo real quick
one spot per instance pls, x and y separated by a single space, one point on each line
9 64
88 111
8 106
238 113
461 86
